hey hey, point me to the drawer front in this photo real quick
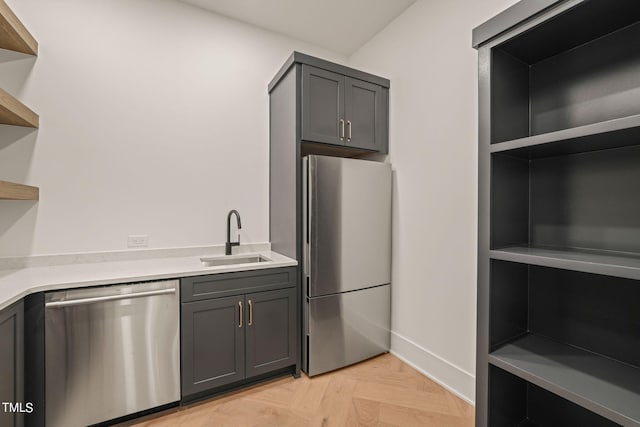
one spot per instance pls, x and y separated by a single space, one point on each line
199 288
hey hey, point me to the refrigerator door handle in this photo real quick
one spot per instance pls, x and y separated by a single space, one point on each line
311 217
307 252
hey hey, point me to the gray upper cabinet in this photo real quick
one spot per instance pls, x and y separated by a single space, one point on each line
365 112
11 368
327 108
342 110
322 106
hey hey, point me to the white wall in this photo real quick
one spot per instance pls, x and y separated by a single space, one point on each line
154 120
427 55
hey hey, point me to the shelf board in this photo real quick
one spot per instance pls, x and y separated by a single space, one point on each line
598 262
615 133
12 191
600 384
14 112
13 35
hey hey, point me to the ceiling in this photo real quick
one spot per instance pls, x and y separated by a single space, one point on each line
339 25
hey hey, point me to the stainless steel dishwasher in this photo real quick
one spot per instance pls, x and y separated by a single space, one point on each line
111 351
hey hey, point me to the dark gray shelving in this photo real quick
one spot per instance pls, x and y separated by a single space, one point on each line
586 200
598 262
594 82
602 385
519 403
506 19
554 38
558 326
579 23
614 133
594 312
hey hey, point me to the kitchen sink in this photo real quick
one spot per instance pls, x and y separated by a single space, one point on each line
232 260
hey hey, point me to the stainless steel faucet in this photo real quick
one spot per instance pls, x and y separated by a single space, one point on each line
230 244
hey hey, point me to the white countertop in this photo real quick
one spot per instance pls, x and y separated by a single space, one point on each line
20 282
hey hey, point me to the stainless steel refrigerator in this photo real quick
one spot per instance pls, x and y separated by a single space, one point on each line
347 261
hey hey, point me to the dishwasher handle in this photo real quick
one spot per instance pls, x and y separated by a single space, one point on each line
69 303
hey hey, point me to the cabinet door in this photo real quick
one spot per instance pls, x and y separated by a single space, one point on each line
365 115
11 359
212 350
270 333
322 106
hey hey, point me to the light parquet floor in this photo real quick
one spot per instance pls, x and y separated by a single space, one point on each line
382 391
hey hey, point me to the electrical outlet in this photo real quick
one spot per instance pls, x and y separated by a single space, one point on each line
138 241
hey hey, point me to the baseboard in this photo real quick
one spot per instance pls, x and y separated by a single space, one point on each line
452 377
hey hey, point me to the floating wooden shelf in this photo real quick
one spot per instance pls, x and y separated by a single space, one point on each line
13 35
14 112
12 191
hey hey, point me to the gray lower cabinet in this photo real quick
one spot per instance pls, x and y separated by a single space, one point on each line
11 366
228 339
212 344
270 332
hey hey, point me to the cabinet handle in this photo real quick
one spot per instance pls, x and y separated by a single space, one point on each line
250 313
349 124
341 129
240 310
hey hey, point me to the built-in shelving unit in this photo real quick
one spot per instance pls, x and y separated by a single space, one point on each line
559 215
13 191
14 36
